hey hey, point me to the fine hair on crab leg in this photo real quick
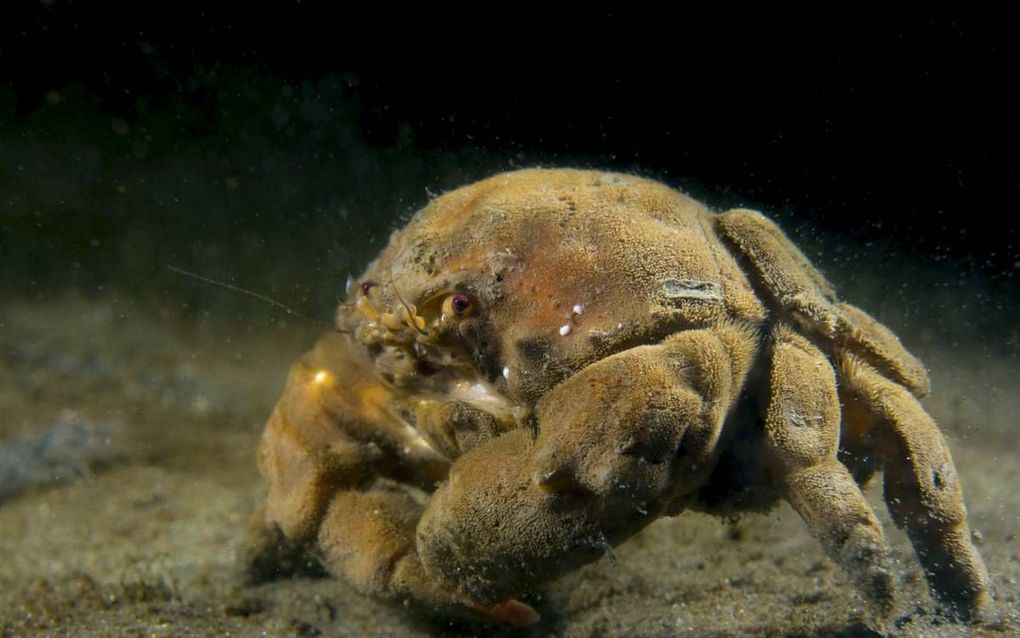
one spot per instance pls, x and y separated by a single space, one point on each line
802 429
922 490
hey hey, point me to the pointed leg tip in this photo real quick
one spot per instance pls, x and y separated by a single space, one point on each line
512 612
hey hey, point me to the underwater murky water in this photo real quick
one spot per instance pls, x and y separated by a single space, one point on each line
133 398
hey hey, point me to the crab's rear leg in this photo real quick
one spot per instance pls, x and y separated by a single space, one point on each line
802 427
922 489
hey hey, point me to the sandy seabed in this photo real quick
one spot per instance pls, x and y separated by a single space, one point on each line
139 533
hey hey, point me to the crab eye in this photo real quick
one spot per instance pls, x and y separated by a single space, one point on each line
458 305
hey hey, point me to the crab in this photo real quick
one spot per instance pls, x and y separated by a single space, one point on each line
542 363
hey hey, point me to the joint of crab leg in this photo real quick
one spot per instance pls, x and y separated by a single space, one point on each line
555 477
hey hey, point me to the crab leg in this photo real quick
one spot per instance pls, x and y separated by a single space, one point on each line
802 426
341 468
922 490
617 442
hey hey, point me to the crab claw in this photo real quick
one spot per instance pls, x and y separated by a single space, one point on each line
490 533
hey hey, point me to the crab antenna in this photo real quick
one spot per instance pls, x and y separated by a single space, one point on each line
410 314
251 293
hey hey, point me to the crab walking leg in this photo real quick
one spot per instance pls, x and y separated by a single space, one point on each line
334 429
616 443
922 490
338 463
802 428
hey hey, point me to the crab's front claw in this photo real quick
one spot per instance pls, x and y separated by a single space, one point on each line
519 510
491 533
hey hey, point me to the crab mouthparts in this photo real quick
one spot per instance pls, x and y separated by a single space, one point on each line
405 319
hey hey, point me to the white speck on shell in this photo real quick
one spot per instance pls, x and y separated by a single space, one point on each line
564 330
578 309
506 372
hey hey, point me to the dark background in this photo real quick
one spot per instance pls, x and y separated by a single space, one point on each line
261 149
